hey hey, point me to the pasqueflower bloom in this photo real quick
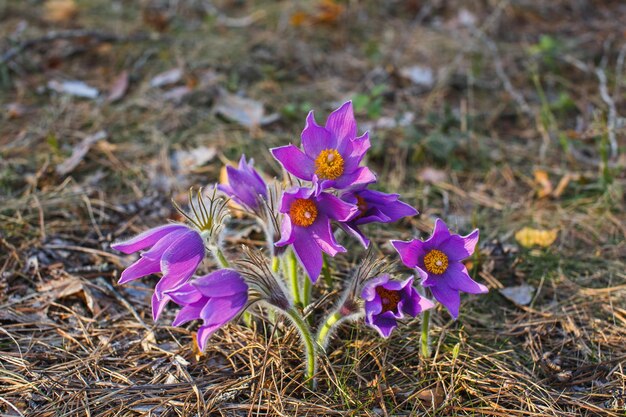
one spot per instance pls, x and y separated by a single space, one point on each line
386 301
215 298
439 262
245 185
306 226
175 250
374 206
332 153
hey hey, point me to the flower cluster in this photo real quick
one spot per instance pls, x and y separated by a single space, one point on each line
302 224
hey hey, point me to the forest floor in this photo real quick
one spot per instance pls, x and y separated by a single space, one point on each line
504 115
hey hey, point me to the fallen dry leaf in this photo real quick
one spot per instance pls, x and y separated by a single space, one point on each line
79 153
431 397
68 286
74 88
60 11
419 75
328 12
543 182
529 237
521 294
247 112
119 87
166 78
432 175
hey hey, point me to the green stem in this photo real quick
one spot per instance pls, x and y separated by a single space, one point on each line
306 292
324 332
275 264
219 255
293 278
425 334
309 346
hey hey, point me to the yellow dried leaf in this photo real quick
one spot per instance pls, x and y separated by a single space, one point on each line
298 19
542 180
529 237
59 11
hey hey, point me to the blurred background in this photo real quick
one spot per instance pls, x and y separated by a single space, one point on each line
508 115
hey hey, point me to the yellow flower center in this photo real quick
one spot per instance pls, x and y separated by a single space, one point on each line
328 164
303 212
388 298
436 262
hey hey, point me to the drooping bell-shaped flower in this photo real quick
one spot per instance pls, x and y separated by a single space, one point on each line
215 298
245 186
174 250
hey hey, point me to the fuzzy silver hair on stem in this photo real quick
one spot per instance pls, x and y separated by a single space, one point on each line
255 268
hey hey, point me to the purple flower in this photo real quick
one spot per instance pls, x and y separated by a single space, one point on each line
215 298
306 226
245 185
438 261
175 250
374 206
386 301
331 155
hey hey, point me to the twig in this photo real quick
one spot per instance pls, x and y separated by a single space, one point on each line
69 34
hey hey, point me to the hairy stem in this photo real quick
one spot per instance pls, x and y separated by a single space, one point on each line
309 345
306 292
425 339
275 264
324 333
292 267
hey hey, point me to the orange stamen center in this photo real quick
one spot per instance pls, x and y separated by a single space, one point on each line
388 298
303 212
436 262
361 205
328 164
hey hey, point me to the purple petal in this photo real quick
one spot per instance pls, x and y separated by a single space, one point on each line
384 323
141 268
341 123
353 229
180 260
286 232
146 239
410 252
220 310
450 298
308 253
361 176
221 283
295 161
440 234
243 190
185 294
413 303
203 335
458 248
158 305
316 138
292 195
457 278
369 289
188 313
322 234
336 208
